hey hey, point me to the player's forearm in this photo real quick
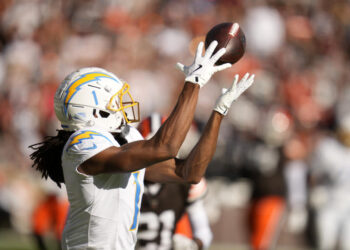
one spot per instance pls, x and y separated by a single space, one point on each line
173 132
194 167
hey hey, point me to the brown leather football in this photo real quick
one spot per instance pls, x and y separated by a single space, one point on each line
230 36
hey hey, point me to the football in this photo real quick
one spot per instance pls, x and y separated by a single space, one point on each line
229 36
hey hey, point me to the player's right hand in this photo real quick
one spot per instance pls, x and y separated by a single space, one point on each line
203 67
227 97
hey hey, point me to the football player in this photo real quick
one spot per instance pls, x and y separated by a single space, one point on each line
49 215
102 160
164 205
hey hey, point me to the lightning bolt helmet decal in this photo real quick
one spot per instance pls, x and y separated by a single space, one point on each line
75 86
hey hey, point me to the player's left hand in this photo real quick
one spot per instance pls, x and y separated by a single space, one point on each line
204 67
181 242
224 102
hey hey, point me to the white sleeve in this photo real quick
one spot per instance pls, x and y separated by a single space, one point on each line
199 222
197 191
86 143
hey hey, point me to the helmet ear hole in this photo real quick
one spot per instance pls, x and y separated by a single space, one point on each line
104 114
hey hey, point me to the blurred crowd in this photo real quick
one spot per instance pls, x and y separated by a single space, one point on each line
286 142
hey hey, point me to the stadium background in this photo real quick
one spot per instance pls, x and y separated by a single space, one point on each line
299 51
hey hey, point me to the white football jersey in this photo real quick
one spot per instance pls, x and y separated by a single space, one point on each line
104 209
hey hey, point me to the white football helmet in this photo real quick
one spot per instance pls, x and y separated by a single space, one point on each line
94 97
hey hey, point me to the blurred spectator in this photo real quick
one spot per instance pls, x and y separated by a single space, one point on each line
49 216
264 22
330 171
296 175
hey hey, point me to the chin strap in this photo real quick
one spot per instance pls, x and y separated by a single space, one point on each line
119 138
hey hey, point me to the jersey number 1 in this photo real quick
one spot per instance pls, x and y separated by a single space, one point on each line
137 200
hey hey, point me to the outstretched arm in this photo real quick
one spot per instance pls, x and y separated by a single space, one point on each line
194 166
167 141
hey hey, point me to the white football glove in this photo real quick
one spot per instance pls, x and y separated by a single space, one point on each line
203 67
181 242
223 103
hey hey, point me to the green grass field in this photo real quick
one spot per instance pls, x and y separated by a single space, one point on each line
10 240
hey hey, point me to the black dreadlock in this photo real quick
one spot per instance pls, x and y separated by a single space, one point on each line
47 156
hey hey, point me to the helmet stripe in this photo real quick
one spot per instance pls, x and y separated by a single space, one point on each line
95 97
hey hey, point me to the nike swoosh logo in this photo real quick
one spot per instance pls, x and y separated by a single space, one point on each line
199 67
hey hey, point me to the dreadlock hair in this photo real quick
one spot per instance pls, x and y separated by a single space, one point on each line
47 156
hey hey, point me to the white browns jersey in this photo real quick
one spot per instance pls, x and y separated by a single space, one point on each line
104 209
